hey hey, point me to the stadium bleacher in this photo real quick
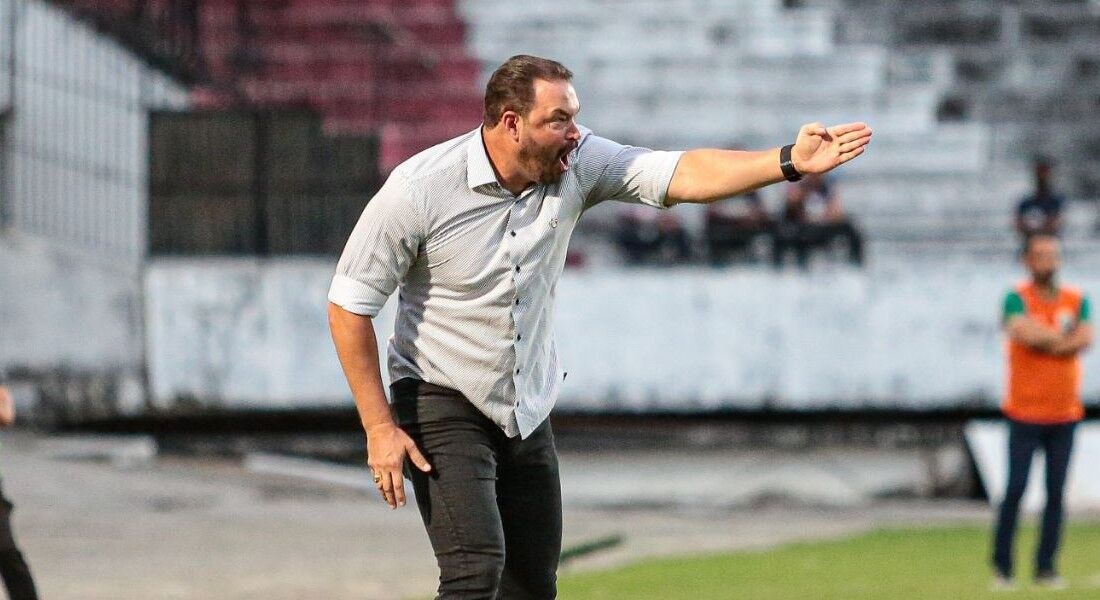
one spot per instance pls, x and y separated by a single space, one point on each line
951 150
962 94
1027 68
398 69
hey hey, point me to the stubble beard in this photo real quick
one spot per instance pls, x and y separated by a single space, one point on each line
541 163
1044 279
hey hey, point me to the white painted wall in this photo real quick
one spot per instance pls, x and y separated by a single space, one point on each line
75 152
73 192
62 310
907 333
243 333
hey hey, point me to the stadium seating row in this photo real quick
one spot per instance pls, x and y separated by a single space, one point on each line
685 73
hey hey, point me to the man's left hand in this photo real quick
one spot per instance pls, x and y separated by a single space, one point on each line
819 149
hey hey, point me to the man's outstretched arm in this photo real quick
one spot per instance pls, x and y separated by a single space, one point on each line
387 445
707 175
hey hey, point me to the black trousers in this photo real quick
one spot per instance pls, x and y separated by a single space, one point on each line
1056 442
13 568
491 504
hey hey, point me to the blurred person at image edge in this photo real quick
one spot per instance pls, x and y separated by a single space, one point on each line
13 567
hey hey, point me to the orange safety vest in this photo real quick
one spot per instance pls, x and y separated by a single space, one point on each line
1043 388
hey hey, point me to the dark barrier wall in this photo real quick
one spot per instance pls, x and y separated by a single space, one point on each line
255 183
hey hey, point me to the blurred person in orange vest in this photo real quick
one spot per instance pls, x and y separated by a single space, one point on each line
13 568
1048 326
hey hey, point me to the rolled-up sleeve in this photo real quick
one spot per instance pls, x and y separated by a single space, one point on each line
626 173
379 251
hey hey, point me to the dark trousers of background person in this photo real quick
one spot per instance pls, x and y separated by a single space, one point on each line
803 237
727 236
1024 439
13 568
491 504
647 241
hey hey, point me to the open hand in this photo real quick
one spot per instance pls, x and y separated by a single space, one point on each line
387 446
819 149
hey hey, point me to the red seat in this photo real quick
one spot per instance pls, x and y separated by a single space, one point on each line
398 67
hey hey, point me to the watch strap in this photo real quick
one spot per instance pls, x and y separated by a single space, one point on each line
786 165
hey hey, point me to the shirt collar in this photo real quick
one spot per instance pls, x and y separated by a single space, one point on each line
479 171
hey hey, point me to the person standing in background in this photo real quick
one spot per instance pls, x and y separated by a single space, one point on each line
732 225
1041 212
1048 325
813 216
13 567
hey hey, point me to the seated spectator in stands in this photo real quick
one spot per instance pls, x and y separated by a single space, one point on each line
813 216
1041 212
731 225
649 235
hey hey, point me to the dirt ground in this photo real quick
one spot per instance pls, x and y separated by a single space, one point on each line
211 529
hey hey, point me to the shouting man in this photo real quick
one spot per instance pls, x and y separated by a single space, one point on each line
474 231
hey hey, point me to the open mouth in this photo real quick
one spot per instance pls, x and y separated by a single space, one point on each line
563 159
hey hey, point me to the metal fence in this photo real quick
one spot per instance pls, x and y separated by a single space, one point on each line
83 164
248 182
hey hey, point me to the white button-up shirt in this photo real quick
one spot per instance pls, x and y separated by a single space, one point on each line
478 266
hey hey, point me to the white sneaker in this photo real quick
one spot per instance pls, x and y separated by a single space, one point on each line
1001 583
1050 582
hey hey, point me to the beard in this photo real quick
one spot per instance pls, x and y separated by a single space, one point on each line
1043 278
543 163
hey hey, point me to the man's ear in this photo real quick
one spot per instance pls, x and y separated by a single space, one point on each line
512 124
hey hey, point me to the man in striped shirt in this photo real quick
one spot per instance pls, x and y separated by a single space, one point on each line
474 231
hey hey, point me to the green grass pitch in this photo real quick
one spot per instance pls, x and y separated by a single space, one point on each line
940 563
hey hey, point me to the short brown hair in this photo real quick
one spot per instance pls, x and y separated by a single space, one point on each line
512 86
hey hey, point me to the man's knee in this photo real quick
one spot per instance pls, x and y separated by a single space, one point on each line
530 584
471 574
1015 493
1055 499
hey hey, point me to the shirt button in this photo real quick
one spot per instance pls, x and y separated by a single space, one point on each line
519 337
517 301
517 268
517 371
513 234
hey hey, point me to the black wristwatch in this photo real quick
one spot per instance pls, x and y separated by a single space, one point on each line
789 172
